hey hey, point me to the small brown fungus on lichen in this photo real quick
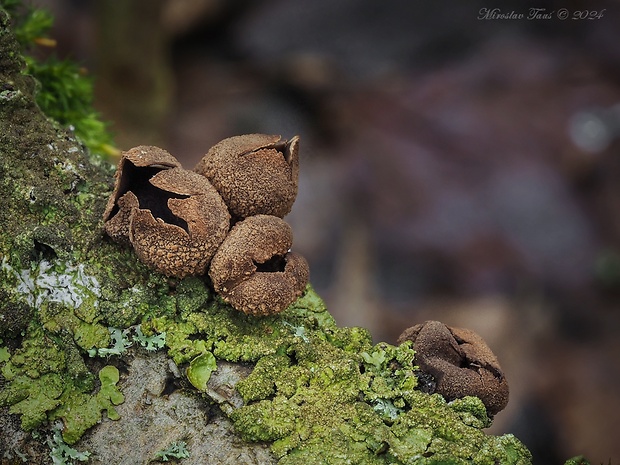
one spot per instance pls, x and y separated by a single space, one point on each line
174 218
253 269
461 363
254 173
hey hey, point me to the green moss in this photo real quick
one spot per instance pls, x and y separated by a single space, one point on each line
64 91
66 95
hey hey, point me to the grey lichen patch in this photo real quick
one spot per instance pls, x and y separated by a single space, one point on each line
65 298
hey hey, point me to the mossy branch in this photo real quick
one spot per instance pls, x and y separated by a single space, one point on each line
312 391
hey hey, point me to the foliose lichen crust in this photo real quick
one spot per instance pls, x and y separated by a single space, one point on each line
324 394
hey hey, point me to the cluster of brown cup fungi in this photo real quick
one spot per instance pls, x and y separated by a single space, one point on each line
223 218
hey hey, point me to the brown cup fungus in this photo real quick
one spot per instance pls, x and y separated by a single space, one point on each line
174 218
253 269
254 173
460 362
135 168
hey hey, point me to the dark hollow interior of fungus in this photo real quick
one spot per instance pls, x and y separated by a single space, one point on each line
274 265
160 209
136 179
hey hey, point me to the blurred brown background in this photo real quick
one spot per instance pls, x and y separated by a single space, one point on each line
453 168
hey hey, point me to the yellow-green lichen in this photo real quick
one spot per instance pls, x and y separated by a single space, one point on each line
232 335
5 355
80 411
39 354
323 394
38 396
261 382
200 370
46 379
